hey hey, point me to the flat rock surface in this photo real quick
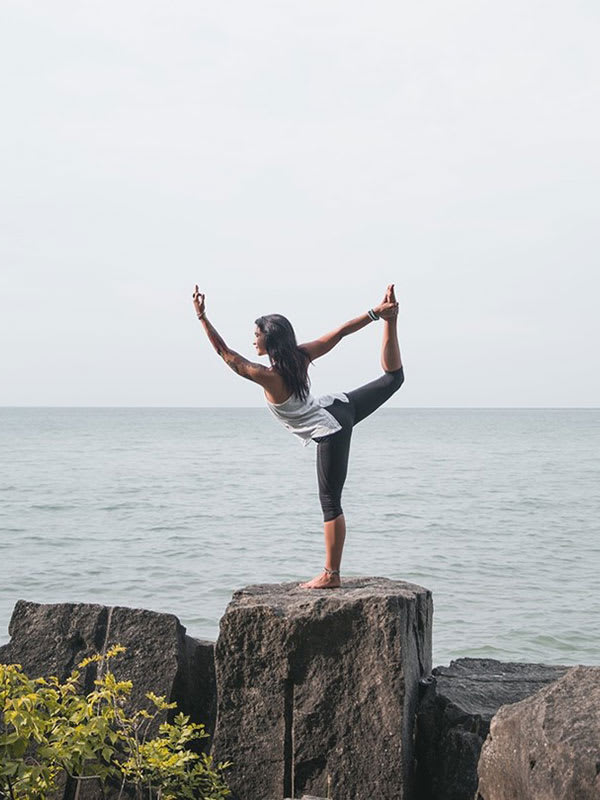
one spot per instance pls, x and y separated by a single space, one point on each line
322 684
454 719
481 685
290 597
546 747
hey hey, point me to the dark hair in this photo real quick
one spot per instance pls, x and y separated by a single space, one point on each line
290 361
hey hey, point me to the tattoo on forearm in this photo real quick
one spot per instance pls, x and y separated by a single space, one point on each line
237 364
230 358
216 340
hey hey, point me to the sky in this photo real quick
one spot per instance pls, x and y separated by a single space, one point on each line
295 158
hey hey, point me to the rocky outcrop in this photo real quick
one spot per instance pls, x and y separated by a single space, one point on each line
318 692
546 747
454 719
320 684
52 639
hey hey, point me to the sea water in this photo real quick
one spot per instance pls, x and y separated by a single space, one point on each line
172 509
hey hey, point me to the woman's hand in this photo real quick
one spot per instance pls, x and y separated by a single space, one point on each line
198 301
388 309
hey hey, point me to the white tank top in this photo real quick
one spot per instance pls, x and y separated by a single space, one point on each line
308 418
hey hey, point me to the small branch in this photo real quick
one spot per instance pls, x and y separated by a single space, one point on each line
148 723
12 794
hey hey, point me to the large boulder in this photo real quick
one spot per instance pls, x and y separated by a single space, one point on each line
51 639
317 685
546 747
454 719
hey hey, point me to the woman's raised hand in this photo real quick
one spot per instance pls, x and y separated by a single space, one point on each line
198 299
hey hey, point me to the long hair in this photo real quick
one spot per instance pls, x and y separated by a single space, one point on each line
290 361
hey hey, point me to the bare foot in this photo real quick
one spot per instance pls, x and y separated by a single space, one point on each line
322 581
389 296
390 312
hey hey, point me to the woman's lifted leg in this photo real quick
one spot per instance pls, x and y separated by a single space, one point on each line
390 349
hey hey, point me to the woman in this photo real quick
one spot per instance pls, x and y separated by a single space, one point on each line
327 420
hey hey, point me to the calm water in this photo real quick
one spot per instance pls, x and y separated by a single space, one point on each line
495 511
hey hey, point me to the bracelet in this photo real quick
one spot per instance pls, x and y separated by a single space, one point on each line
372 314
202 315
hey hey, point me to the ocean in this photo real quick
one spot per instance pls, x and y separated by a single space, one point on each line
496 511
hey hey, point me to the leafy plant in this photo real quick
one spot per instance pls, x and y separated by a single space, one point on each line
50 730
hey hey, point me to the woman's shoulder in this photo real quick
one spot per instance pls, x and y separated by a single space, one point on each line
305 353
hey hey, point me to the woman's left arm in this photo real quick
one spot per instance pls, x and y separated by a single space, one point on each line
247 369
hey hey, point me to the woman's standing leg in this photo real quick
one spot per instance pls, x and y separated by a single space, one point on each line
332 468
335 535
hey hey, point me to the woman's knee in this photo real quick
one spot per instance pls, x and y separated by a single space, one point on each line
332 513
394 379
331 507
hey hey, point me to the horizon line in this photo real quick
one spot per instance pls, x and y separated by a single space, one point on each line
406 408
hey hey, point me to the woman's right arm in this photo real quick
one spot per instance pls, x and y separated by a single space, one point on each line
326 343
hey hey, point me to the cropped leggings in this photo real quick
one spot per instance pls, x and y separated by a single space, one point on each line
333 450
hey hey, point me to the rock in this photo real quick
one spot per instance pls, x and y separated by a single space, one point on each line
195 688
304 797
52 639
546 747
318 684
454 719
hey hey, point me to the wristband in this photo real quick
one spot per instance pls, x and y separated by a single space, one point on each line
372 314
200 316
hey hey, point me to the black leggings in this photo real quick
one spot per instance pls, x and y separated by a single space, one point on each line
333 450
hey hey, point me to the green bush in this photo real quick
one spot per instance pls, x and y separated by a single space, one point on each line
50 730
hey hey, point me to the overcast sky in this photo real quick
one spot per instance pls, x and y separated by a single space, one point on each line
295 157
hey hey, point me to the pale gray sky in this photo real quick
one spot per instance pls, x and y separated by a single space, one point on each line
295 157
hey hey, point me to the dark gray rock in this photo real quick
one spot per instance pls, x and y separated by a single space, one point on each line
454 719
52 639
195 686
318 684
546 747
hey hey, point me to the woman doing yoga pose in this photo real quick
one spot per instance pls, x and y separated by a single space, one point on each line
328 420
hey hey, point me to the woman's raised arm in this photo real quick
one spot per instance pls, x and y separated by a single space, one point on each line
327 342
247 369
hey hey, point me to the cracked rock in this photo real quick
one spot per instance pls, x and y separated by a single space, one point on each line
322 685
